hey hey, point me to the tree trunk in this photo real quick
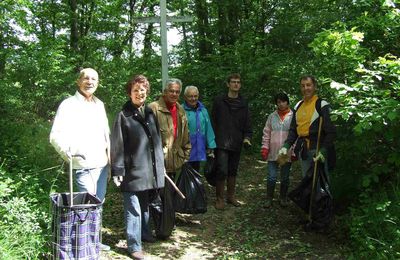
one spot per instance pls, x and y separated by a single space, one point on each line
2 56
147 48
205 47
222 23
228 21
74 38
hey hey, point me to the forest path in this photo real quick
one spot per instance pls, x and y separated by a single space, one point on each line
247 232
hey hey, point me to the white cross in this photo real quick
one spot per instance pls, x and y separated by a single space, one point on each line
163 19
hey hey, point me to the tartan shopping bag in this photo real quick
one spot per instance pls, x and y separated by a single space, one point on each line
76 229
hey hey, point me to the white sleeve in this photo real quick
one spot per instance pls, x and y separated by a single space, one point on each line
60 132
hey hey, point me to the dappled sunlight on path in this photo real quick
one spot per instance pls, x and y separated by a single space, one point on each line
250 231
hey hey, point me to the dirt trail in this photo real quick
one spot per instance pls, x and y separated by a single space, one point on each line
246 232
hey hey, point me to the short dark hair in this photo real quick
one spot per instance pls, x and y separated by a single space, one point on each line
313 79
232 76
135 80
281 96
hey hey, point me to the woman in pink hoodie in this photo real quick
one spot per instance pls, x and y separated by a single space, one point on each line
274 135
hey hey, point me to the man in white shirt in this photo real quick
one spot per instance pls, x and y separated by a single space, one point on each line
81 127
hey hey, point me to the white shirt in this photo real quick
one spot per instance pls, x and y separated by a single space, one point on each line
81 126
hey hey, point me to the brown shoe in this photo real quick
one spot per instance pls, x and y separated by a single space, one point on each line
219 203
233 202
138 255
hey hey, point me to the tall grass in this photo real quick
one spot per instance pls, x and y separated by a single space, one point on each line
28 174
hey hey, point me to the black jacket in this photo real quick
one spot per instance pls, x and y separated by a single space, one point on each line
231 124
136 150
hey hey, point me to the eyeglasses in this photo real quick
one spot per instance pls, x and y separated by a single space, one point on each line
171 91
235 81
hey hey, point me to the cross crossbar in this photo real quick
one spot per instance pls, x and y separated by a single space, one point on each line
162 20
170 19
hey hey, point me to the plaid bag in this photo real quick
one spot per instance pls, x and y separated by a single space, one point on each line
76 230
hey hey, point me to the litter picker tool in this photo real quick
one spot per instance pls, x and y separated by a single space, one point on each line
315 171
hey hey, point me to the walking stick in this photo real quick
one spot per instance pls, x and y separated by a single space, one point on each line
71 191
315 172
71 185
175 187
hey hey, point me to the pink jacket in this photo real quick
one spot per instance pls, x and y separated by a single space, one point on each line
275 133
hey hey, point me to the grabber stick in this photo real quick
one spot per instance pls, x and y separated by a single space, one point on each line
315 172
175 187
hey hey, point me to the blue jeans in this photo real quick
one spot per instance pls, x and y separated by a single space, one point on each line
273 172
93 181
136 208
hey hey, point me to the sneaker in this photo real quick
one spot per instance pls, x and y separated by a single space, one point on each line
233 202
104 247
138 255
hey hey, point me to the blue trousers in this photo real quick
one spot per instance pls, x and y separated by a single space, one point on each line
273 168
93 181
136 209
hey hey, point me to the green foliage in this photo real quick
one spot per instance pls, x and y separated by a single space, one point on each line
339 52
21 233
374 226
368 113
372 105
271 43
27 177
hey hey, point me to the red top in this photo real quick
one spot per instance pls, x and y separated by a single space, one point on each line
172 109
282 114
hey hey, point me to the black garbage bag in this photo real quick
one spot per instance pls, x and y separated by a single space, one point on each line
322 201
210 170
190 184
162 211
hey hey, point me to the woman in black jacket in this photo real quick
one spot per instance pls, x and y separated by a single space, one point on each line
137 161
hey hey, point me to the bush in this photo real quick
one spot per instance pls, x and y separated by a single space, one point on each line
375 226
21 235
27 177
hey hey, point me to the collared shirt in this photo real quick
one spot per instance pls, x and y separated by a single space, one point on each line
81 126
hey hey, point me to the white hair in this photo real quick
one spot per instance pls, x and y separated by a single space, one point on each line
172 81
188 88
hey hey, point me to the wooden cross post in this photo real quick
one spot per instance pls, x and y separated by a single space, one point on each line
163 19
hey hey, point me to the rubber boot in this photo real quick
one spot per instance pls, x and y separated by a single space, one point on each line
219 188
283 195
270 194
231 186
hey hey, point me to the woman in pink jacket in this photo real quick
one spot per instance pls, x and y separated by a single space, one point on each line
274 135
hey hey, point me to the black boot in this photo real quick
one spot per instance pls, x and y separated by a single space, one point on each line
270 194
283 195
